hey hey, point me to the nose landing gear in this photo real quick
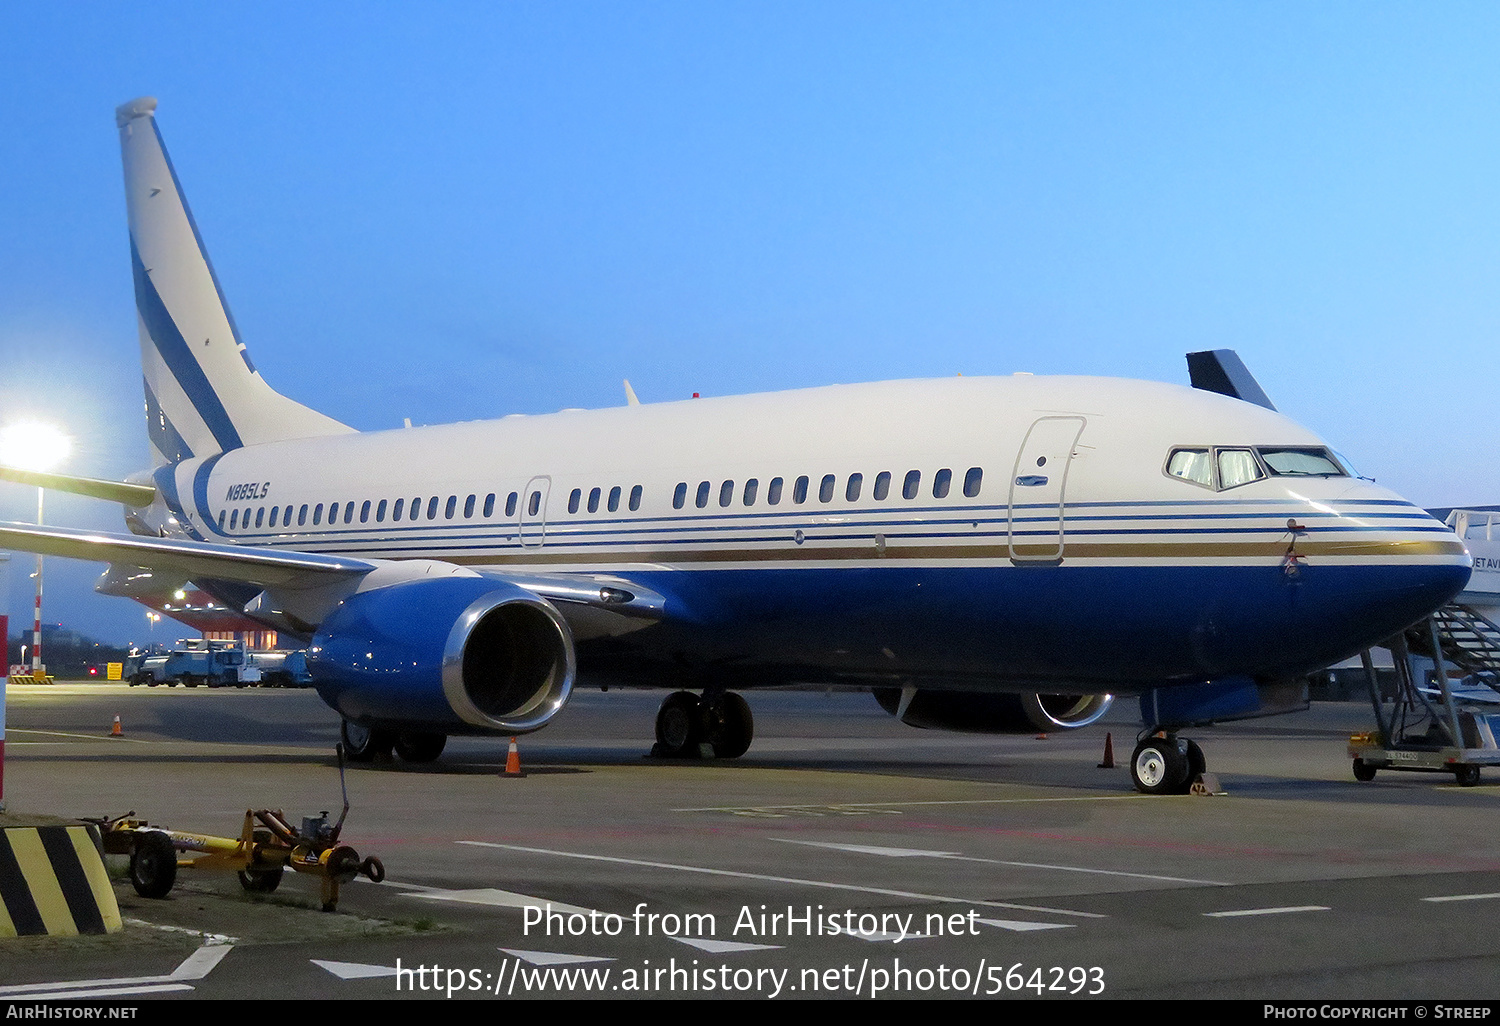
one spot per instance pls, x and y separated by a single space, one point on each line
1164 763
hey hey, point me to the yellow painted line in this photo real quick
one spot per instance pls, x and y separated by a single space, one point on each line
98 878
36 867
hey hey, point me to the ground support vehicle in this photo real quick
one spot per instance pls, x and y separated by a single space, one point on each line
193 662
1425 726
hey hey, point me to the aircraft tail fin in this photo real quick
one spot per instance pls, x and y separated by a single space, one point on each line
203 395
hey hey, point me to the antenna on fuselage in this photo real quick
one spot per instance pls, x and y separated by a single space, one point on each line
1222 371
630 399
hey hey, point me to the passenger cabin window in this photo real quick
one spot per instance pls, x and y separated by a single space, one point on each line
302 515
1237 467
941 482
398 509
726 493
635 498
799 490
574 497
510 503
450 507
825 488
260 515
432 505
234 520
271 520
317 514
380 512
593 500
333 512
469 506
851 491
364 512
614 499
912 484
882 485
534 504
222 515
416 509
703 490
489 505
679 496
972 481
773 492
1191 465
751 487
348 512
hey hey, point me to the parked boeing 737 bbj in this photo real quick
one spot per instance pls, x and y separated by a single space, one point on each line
984 554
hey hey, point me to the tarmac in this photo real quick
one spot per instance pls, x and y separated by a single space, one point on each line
845 856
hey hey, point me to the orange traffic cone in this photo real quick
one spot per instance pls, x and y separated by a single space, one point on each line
115 731
1109 752
513 762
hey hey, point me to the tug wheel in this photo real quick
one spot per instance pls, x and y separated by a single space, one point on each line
153 864
1466 774
260 881
373 869
1363 770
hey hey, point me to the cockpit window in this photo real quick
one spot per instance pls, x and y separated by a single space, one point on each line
1316 462
1193 465
1237 467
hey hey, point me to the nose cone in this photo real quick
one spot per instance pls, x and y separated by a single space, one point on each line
1387 562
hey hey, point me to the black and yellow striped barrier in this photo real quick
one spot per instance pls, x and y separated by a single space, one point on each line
52 881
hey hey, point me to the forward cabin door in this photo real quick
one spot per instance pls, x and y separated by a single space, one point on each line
1037 484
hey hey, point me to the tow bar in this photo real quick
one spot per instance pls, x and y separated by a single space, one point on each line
267 845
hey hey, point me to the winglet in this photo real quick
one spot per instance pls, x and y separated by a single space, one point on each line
630 399
1222 371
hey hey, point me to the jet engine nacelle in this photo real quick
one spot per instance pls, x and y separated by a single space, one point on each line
453 655
988 713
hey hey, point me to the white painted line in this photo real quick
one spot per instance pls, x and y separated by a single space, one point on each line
1268 911
1464 897
493 896
354 970
913 852
722 947
552 957
208 938
893 938
871 849
829 885
106 736
1019 927
195 967
201 962
105 993
895 805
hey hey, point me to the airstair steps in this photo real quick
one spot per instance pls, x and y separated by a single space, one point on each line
1469 641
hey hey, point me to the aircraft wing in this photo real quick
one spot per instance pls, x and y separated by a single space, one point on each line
269 568
283 570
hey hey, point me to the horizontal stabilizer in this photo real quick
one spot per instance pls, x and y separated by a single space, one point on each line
134 495
1222 371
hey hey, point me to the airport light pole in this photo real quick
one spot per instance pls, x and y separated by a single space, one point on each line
33 445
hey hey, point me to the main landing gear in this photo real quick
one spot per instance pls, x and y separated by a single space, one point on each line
366 744
1164 763
685 724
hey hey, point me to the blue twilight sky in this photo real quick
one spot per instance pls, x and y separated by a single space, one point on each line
456 211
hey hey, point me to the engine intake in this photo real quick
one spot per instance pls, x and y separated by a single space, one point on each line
988 713
461 654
